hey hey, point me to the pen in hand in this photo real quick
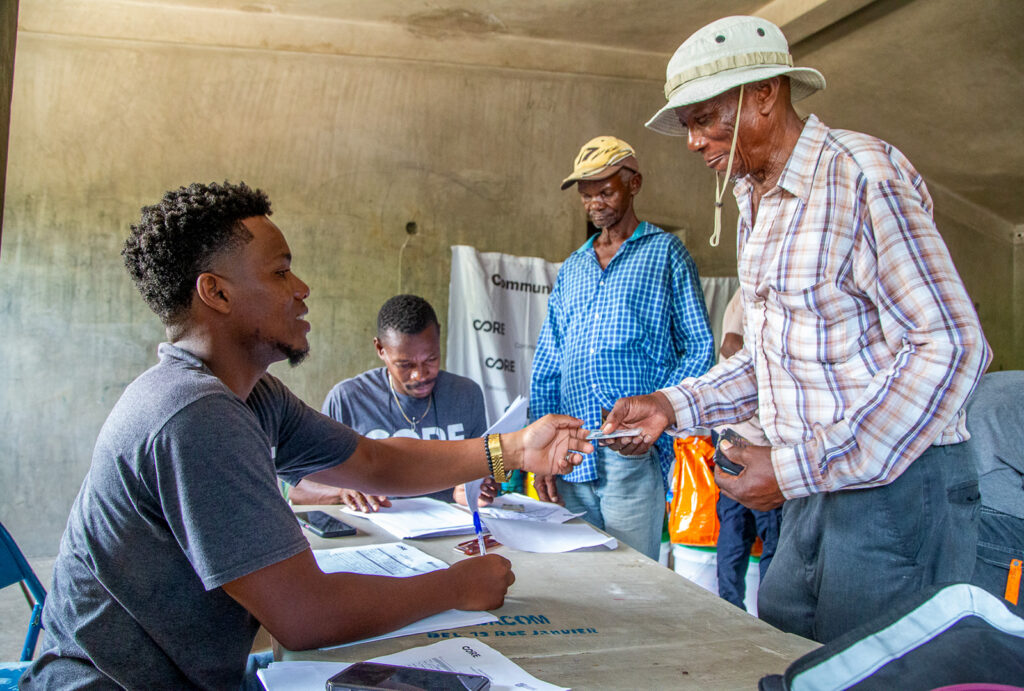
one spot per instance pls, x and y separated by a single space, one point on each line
479 532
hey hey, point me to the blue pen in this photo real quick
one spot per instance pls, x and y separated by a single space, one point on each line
479 532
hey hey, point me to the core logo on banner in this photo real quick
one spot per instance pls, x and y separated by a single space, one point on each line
489 326
500 363
496 307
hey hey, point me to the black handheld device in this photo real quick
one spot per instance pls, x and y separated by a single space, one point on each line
324 524
721 460
372 675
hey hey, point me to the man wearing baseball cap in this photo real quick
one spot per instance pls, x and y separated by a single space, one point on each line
626 316
861 343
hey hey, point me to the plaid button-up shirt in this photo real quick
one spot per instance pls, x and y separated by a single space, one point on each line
861 345
631 328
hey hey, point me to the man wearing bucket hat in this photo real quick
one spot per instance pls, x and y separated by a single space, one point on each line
861 343
626 316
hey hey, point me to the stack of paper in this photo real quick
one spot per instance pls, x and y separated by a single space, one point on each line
396 559
464 655
419 517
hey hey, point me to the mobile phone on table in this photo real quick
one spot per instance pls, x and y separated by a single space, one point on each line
324 524
373 675
721 460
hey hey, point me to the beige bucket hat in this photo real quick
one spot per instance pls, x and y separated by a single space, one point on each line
723 55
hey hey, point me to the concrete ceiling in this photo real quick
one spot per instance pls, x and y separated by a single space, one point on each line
943 80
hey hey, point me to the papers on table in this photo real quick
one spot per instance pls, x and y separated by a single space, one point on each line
419 517
452 655
537 536
519 507
396 559
539 526
391 559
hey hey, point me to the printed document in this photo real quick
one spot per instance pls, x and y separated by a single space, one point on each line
464 655
419 517
396 559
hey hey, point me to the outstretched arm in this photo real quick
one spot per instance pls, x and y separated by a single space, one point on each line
407 467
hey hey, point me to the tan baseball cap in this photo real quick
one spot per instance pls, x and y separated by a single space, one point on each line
600 158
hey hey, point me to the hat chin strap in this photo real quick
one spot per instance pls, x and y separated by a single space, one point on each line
720 192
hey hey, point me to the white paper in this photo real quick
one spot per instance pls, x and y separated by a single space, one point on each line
513 419
451 619
390 559
470 656
299 676
419 517
544 537
528 509
463 655
396 559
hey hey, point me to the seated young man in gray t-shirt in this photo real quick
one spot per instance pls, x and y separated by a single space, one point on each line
180 544
409 397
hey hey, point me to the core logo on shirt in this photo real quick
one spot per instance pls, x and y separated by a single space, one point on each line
500 363
453 431
489 326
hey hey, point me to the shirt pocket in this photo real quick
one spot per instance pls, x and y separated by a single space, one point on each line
816 324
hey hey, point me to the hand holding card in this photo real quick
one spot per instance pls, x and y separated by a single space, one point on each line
617 434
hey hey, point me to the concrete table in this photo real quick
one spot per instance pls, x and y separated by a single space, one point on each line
599 619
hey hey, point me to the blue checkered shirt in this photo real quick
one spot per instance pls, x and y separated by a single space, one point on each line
632 328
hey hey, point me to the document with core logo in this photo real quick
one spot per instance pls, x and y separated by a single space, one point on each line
464 655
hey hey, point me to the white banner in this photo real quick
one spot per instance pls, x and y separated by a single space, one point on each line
496 307
718 291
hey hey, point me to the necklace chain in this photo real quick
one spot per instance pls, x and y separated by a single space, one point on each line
414 421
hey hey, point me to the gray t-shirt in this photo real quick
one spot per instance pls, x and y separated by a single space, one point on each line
181 498
366 404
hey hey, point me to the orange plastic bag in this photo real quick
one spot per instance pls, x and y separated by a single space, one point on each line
691 511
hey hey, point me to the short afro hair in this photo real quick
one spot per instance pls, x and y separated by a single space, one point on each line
177 238
407 314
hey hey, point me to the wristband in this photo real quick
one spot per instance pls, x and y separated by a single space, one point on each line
495 457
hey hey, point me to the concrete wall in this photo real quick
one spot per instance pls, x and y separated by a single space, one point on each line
349 149
8 40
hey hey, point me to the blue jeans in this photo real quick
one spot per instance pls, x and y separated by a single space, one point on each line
847 557
1000 540
627 500
738 528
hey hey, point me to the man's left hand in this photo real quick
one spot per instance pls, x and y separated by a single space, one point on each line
755 487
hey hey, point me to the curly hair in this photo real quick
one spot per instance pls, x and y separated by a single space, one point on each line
177 238
407 314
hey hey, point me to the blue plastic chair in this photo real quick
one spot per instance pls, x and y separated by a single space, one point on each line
14 568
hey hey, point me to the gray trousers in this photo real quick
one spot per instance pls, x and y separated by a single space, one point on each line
847 557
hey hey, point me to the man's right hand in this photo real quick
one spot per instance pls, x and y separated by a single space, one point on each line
309 492
546 487
481 582
652 413
367 503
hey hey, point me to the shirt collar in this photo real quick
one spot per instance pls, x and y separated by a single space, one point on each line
643 229
798 175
